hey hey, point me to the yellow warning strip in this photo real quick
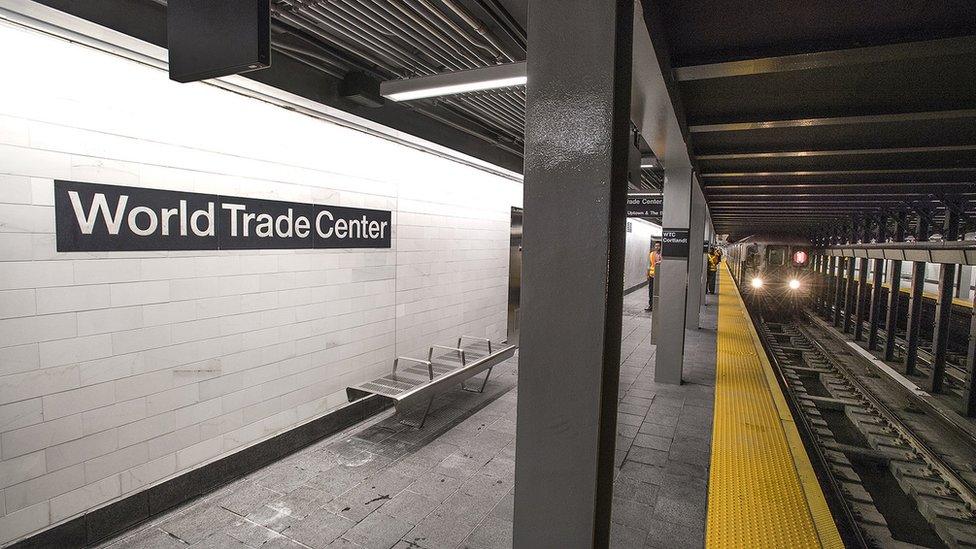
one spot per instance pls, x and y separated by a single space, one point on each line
762 491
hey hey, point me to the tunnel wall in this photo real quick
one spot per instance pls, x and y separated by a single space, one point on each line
121 369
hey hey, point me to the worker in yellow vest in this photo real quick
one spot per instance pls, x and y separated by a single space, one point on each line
714 258
652 261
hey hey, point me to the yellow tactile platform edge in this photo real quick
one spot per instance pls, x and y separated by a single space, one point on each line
762 491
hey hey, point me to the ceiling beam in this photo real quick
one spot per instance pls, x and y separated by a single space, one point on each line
729 175
780 202
847 152
856 186
835 121
828 59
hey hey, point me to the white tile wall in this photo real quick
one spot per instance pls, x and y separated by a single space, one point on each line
638 246
119 370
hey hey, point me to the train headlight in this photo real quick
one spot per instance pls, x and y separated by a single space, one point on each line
794 284
757 282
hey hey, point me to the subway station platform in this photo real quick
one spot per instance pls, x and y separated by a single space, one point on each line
715 461
451 484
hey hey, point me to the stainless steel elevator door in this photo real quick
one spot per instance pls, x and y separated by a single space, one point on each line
514 275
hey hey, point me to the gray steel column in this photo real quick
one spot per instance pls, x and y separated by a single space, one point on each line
823 289
576 144
943 308
894 292
669 313
862 284
831 286
849 286
969 391
696 257
839 286
915 298
877 280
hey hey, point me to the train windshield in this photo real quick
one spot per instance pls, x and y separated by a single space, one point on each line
775 256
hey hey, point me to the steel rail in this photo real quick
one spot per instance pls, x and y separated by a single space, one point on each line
964 489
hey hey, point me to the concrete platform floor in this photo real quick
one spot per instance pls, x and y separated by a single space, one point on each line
381 484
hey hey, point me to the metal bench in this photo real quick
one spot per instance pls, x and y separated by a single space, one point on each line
408 386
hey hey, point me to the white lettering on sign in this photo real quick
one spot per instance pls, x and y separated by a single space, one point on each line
141 220
349 228
92 217
86 221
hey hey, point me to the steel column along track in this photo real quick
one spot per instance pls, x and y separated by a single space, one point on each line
762 491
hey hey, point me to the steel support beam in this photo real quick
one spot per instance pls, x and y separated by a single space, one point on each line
673 280
839 286
915 298
943 308
877 279
969 391
831 286
862 285
572 274
818 278
696 257
835 121
849 286
834 153
894 291
829 59
823 284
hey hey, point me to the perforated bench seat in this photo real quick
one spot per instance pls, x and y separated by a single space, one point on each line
414 381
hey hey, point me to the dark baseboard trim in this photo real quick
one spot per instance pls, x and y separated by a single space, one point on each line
114 518
633 289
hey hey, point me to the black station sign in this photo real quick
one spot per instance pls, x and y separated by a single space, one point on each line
101 218
645 205
674 243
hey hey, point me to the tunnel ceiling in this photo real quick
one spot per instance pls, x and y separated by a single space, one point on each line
316 44
800 114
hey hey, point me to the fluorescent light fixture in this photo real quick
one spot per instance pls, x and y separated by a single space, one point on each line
649 161
450 83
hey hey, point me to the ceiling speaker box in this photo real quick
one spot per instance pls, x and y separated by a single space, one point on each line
212 38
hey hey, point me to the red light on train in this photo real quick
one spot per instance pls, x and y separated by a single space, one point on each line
800 257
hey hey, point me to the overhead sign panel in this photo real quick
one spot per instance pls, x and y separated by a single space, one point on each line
674 243
104 218
645 205
211 38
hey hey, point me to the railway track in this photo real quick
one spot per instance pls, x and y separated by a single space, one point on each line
899 474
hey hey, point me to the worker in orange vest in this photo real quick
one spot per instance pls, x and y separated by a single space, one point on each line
653 259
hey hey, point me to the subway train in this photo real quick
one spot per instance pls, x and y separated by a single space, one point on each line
773 272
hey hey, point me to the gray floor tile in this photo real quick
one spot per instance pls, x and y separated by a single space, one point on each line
493 533
409 507
682 500
378 531
667 535
653 442
148 538
631 513
436 486
625 537
219 540
199 522
319 529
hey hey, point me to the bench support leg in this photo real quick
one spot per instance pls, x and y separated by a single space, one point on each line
423 419
483 384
